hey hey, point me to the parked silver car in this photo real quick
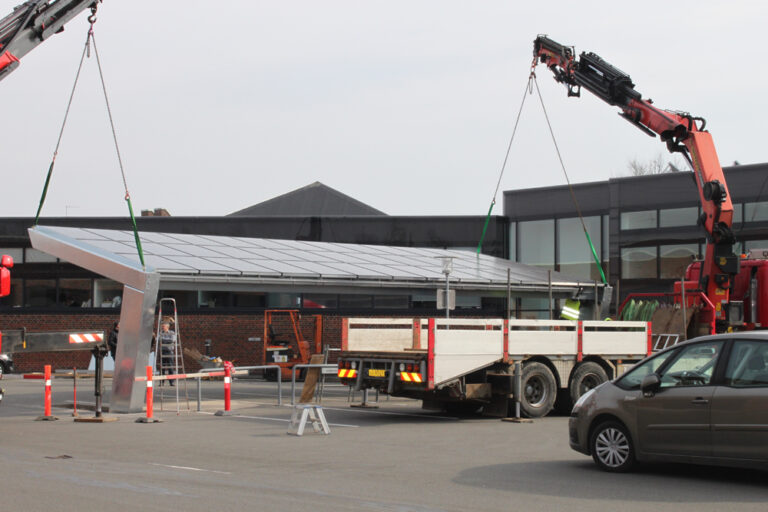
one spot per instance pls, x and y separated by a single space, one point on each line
704 401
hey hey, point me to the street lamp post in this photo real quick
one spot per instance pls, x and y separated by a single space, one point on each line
447 269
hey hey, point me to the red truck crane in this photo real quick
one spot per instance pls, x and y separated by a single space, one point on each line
720 284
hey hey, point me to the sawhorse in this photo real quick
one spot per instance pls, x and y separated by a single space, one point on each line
309 412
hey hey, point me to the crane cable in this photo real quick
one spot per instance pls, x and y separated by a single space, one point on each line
567 179
528 90
87 52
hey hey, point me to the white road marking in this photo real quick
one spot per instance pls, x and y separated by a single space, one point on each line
279 419
187 468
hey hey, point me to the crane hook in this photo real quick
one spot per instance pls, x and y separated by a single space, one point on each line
92 17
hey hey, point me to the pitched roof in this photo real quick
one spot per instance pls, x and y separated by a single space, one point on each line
314 199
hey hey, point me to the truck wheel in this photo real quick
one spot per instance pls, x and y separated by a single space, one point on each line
586 376
539 390
611 447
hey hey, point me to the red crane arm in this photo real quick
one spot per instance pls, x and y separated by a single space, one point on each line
682 132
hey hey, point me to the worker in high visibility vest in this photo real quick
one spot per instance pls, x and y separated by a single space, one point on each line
570 310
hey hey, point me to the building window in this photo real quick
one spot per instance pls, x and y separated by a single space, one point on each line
320 300
249 300
755 245
212 299
534 309
16 298
35 256
674 217
575 258
390 301
40 292
737 212
107 293
754 212
513 241
351 301
676 258
283 300
646 219
638 263
537 243
16 253
75 293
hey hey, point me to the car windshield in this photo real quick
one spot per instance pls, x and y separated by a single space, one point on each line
633 378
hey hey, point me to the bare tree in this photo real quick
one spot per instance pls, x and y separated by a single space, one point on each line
656 165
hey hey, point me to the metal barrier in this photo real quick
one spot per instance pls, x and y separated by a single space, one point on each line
299 366
241 370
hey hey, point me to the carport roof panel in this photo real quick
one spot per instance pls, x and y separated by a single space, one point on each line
196 255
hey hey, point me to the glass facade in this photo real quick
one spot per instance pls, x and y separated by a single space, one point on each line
638 263
537 243
574 256
674 217
647 219
674 259
755 212
75 292
35 256
40 292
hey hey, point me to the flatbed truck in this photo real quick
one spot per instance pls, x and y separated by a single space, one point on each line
467 364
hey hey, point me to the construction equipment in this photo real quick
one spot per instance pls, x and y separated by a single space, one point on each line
168 352
719 286
33 22
284 343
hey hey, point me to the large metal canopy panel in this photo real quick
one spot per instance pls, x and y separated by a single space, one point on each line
198 258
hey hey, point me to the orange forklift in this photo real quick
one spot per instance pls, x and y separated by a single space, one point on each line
284 343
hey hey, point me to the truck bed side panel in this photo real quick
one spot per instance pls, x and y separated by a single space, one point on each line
380 335
615 338
469 345
551 337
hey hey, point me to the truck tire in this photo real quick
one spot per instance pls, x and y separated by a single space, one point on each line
539 390
586 376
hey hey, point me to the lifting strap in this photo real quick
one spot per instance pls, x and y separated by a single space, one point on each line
528 90
90 39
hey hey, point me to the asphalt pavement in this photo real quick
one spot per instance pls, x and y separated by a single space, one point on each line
392 458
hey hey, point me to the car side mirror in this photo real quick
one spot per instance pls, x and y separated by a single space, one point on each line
651 384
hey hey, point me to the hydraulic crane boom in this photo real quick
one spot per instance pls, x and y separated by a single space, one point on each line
682 133
33 22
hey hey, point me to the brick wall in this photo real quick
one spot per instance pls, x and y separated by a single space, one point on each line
228 333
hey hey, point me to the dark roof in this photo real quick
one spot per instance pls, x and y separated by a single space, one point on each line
314 199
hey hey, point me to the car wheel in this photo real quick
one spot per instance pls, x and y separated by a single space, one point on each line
539 390
587 376
612 448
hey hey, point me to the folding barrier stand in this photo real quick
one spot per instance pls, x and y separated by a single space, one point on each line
309 412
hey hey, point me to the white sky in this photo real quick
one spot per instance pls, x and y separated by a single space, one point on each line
407 106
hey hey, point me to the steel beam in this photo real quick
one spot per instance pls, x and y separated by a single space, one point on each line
140 288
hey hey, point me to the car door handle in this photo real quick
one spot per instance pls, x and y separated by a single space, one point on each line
700 401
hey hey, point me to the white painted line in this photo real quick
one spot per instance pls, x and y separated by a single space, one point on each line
189 468
373 411
278 419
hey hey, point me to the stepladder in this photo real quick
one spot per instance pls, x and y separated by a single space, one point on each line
308 413
169 358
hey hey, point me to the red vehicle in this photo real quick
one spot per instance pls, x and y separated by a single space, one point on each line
727 291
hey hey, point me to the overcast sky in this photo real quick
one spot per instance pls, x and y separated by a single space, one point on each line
407 106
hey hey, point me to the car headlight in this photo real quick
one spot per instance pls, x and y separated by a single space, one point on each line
583 398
